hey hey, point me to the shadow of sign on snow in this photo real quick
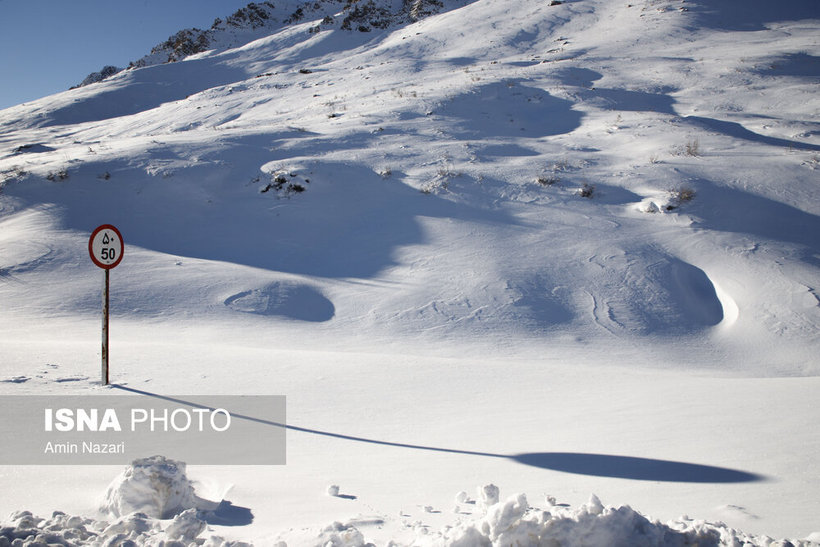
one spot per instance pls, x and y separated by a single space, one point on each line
600 465
628 467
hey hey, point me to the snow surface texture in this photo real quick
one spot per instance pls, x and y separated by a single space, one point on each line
570 247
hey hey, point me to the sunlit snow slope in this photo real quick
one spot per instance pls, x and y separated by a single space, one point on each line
600 184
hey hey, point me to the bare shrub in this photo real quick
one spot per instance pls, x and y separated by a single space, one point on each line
586 191
547 180
680 195
693 148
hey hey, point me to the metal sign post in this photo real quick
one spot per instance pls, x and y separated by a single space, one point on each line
104 353
106 247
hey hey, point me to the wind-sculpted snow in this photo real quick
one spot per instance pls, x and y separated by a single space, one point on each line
663 294
284 299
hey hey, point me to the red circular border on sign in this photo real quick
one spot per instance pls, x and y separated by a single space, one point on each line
91 251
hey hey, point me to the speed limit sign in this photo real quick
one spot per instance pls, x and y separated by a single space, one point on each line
106 247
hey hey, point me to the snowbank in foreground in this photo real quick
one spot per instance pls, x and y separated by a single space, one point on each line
515 522
152 501
156 486
24 529
512 522
160 487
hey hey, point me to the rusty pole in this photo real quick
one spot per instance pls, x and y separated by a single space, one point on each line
105 331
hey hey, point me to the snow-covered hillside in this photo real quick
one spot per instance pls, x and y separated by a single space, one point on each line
540 245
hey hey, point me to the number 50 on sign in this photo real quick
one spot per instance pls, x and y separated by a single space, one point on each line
105 246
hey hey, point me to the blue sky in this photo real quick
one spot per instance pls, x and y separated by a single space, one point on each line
47 46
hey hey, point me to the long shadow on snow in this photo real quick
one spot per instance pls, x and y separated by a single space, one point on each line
599 465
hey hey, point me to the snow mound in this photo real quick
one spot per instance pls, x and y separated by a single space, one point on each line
515 522
60 529
341 535
488 495
186 526
22 528
156 486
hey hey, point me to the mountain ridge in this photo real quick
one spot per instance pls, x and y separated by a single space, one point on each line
263 17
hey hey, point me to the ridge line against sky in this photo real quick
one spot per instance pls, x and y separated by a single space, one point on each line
48 46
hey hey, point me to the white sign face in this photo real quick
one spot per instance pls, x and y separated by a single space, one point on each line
106 246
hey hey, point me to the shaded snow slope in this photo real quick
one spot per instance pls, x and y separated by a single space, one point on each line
588 228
